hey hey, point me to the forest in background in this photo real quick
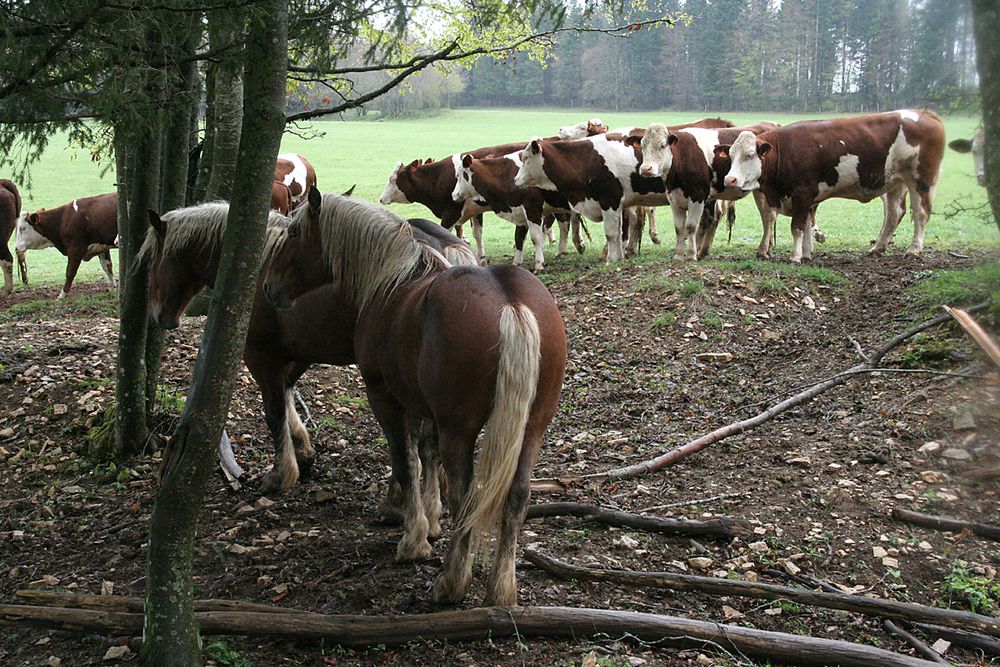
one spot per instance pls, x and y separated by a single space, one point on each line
832 56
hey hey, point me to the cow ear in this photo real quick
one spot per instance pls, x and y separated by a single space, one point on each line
315 203
467 161
763 148
350 191
156 223
429 160
722 151
413 165
535 147
33 219
960 145
634 142
671 139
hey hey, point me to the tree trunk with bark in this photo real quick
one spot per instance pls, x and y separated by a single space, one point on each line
170 629
224 29
986 17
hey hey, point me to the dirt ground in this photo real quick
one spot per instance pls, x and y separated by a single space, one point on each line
815 486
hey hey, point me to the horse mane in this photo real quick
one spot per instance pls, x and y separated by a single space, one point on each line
201 227
369 250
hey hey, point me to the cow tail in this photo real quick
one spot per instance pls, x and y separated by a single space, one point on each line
503 436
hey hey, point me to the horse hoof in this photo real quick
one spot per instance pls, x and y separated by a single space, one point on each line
445 594
413 551
305 463
508 599
272 483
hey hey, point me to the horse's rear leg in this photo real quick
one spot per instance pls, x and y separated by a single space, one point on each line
285 471
424 433
457 459
406 470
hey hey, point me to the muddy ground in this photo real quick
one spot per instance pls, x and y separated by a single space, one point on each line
815 486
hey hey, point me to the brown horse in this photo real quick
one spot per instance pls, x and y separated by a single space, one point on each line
182 249
473 349
10 210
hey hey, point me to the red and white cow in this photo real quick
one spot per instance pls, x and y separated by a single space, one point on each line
977 146
580 130
800 165
10 210
81 230
683 159
297 175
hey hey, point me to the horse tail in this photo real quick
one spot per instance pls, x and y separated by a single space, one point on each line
460 254
503 436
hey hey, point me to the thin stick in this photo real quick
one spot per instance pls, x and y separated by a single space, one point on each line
972 327
720 527
944 523
696 501
305 408
358 631
735 428
857 348
683 582
921 648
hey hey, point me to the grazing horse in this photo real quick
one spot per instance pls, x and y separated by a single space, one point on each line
471 348
81 230
10 210
182 252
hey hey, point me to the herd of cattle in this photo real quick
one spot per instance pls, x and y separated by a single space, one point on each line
612 176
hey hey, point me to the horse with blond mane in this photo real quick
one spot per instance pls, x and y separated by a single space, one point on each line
473 349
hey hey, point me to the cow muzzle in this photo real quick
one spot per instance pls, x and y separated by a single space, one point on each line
730 181
648 170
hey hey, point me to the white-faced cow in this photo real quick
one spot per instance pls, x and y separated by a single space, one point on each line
297 175
683 159
977 146
800 165
580 130
10 210
81 230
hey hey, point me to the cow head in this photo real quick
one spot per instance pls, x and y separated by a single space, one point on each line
745 161
656 154
463 181
581 130
532 169
392 193
977 147
27 236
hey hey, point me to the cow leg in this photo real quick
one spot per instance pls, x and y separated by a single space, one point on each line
72 266
651 216
520 233
109 272
477 235
8 275
807 238
892 201
635 217
920 211
768 216
574 222
800 228
613 234
706 228
679 230
22 267
691 221
538 239
563 234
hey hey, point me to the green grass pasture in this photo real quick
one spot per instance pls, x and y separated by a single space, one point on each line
364 152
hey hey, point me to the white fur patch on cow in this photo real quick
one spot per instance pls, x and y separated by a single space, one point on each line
619 158
76 207
707 140
532 171
392 194
297 175
27 237
847 178
901 159
909 114
623 130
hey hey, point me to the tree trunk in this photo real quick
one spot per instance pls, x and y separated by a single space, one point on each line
986 16
208 143
142 171
170 630
224 28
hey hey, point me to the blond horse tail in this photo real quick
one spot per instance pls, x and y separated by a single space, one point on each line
517 382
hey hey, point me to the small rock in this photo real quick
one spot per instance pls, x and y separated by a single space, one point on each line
714 357
790 567
635 661
933 476
963 422
930 447
263 503
629 542
53 661
6 433
703 659
730 614
72 489
237 549
700 562
773 611
282 536
117 653
890 562
879 552
60 409
941 646
956 454
925 546
759 547
808 302
803 461
323 496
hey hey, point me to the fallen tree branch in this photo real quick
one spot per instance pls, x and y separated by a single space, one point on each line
231 470
735 428
920 647
124 604
721 527
963 638
695 501
683 582
944 523
972 327
356 631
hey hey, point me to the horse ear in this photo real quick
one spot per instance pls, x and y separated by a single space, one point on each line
763 149
315 203
156 223
467 160
722 151
350 191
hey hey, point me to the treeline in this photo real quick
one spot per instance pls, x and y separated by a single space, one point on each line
751 55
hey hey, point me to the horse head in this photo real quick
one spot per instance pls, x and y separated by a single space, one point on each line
297 263
172 282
